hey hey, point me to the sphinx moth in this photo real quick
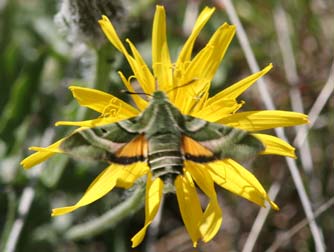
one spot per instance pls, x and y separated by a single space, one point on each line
163 137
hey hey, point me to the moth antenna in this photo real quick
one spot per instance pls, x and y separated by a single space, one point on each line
183 85
134 93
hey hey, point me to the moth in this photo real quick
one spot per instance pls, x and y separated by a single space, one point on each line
163 137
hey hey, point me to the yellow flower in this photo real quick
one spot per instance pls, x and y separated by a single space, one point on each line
192 99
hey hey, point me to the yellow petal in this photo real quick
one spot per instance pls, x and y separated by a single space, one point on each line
276 146
46 149
264 119
111 34
202 69
217 110
187 196
130 173
91 123
211 221
42 154
206 62
102 184
141 70
140 102
161 63
153 197
186 51
102 102
233 91
235 178
201 177
212 218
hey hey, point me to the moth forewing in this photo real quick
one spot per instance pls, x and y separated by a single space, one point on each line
224 141
78 147
99 143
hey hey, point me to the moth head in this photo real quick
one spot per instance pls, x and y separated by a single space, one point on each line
159 96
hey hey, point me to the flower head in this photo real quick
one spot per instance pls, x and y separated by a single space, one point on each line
186 82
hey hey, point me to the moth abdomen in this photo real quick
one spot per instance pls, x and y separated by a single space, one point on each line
165 170
166 164
164 155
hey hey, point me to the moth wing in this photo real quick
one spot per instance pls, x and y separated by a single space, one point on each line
194 151
223 141
134 151
105 143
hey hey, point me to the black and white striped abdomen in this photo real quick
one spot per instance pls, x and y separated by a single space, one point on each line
164 155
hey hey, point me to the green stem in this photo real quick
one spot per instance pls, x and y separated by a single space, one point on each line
101 78
103 68
109 219
139 7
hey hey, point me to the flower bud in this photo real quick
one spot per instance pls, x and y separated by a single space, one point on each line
78 19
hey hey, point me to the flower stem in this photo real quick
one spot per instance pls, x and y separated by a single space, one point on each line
101 79
102 70
110 218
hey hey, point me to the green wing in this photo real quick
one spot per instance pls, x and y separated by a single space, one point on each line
222 141
116 142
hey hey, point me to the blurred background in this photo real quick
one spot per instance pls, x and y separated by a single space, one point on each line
45 46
